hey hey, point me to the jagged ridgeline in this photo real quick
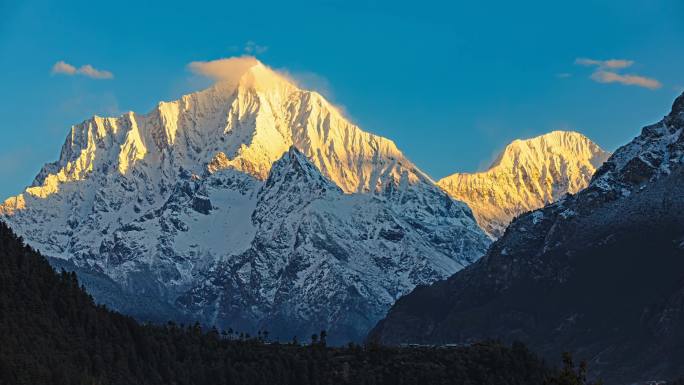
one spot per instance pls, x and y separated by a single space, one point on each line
600 273
253 204
51 332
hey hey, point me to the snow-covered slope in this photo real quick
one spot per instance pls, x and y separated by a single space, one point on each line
181 205
527 175
325 259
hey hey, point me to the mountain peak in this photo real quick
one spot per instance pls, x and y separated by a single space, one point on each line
253 204
528 174
295 168
243 72
678 106
263 78
555 142
247 120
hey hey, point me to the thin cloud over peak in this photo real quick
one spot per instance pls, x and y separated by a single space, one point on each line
64 68
228 69
231 70
607 72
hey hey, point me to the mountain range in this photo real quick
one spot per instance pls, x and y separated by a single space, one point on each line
256 205
598 273
251 205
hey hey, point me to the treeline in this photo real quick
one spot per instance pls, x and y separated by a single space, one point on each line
52 332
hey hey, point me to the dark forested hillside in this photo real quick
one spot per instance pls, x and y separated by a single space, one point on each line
51 332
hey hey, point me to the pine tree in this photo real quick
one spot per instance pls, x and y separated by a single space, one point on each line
569 375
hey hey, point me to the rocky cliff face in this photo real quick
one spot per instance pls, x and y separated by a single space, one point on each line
527 175
599 273
184 208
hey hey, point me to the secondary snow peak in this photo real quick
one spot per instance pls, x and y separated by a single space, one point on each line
526 175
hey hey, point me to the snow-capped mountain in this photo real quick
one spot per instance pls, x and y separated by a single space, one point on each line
527 175
599 273
250 204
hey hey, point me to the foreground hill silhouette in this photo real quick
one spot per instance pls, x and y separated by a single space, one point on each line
51 332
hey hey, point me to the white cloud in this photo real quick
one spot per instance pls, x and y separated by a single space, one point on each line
563 75
601 76
230 69
91 72
617 63
64 68
607 72
611 64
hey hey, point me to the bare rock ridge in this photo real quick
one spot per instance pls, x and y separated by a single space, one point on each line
527 175
251 204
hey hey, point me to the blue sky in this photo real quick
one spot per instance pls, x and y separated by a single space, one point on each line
450 82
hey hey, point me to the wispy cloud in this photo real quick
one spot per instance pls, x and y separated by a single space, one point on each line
64 68
249 48
94 73
563 75
309 80
629 80
606 71
232 69
318 83
612 63
253 48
